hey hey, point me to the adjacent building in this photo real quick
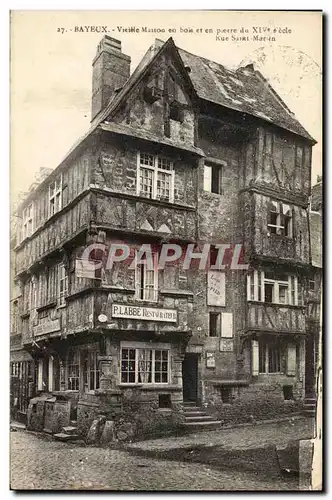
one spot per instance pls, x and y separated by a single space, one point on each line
181 152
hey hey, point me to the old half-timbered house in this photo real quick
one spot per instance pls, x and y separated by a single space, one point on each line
182 152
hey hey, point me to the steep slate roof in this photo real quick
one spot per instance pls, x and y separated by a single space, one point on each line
244 90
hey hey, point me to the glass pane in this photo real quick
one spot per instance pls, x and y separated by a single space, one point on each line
283 294
146 159
146 182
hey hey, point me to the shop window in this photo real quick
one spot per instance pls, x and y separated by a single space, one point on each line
269 358
214 324
144 366
73 368
91 374
165 401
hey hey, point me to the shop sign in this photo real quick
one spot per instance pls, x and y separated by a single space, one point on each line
144 313
45 327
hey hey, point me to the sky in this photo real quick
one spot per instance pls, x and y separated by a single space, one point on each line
51 69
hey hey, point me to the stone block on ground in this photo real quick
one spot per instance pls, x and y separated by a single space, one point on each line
108 434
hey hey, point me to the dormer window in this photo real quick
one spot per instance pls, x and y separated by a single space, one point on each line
55 196
155 177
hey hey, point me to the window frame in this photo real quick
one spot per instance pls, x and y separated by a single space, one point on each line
284 219
141 274
156 172
53 197
28 221
217 315
208 177
137 346
75 353
90 364
264 358
256 281
62 278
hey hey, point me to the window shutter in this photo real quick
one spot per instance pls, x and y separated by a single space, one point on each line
50 374
254 357
40 375
227 325
291 360
207 178
248 286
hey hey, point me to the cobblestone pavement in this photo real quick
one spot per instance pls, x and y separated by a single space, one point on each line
237 438
38 462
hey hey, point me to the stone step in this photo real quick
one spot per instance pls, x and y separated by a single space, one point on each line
310 400
202 426
192 408
201 418
73 423
311 413
70 429
189 403
61 436
194 413
309 406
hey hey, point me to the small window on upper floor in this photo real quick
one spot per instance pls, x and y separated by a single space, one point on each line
214 324
213 181
28 221
312 285
280 219
55 196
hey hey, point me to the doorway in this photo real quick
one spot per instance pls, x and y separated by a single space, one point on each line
189 377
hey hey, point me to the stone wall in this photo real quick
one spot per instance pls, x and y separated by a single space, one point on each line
258 401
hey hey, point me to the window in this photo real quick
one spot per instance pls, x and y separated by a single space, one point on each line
34 293
269 358
63 284
73 367
55 197
312 285
176 112
27 221
213 182
156 177
280 219
214 324
91 374
147 281
144 366
273 288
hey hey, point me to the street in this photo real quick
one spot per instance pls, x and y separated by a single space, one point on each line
39 462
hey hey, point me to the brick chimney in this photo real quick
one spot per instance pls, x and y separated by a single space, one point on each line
111 69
